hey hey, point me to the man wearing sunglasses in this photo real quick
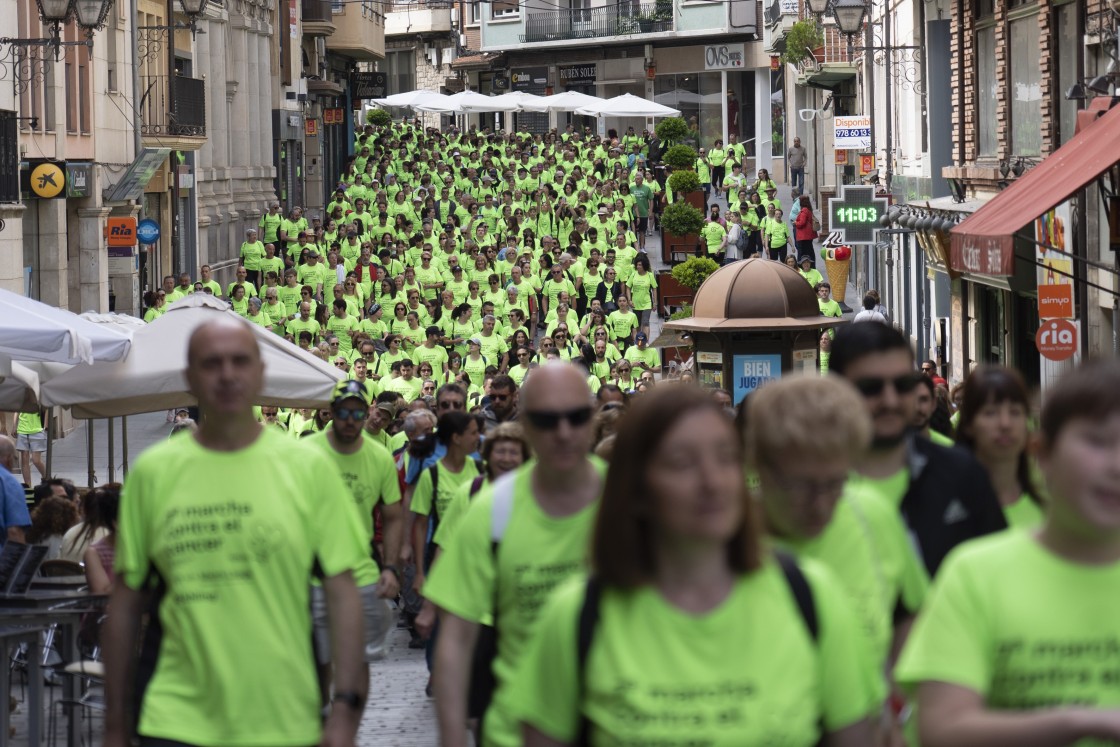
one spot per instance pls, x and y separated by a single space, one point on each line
368 470
524 535
944 494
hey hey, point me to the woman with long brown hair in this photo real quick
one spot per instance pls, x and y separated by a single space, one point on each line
688 632
995 426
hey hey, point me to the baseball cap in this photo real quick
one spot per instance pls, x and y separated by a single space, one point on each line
349 389
474 341
312 253
641 336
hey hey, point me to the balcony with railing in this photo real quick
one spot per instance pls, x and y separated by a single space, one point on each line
624 19
173 113
424 17
360 30
318 20
780 15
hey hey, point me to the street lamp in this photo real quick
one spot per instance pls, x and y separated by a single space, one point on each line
22 58
849 15
817 7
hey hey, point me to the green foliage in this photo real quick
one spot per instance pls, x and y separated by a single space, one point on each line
684 312
694 271
683 182
681 219
680 157
378 118
671 130
801 39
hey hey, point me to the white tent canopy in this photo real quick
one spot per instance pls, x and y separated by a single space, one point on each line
152 377
570 101
435 102
404 99
628 105
34 331
525 102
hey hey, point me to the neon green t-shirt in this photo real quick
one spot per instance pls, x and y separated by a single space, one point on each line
370 475
537 553
641 287
28 423
649 356
1024 628
866 547
1024 513
891 489
746 673
233 537
449 482
622 323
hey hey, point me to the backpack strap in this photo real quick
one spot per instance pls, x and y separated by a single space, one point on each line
802 593
501 509
476 485
588 620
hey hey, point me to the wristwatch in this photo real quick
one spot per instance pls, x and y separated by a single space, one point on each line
352 699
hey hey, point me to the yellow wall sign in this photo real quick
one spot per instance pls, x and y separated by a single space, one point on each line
48 180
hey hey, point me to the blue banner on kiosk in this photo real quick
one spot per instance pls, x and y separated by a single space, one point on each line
749 372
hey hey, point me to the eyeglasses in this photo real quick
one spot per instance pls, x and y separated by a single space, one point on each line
347 413
549 420
451 404
523 354
805 490
871 386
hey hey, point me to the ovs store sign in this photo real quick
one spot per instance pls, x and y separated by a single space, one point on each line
749 372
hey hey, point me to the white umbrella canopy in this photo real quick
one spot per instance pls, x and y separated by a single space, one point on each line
19 388
34 331
403 99
526 102
628 105
435 102
151 377
570 101
475 102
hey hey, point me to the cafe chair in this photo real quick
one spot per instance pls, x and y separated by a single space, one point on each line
59 567
91 674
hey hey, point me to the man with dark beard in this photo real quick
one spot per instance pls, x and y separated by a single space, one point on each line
944 494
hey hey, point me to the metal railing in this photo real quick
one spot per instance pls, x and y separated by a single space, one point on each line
592 23
178 113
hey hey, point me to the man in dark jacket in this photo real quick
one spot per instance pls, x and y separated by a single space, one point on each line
944 494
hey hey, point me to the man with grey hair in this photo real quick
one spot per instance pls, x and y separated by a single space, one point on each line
252 252
13 503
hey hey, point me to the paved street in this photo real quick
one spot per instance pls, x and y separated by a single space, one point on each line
398 713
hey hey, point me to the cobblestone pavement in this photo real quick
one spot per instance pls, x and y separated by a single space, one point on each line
398 713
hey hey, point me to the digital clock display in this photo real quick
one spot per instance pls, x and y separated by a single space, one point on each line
869 214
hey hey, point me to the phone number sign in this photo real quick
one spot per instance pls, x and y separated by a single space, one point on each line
852 133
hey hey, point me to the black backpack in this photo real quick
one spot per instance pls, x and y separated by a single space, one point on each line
589 619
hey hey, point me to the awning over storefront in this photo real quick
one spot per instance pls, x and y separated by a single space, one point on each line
984 243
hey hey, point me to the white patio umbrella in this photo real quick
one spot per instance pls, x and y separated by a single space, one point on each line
475 103
403 99
526 102
628 105
570 101
34 331
151 377
435 102
19 388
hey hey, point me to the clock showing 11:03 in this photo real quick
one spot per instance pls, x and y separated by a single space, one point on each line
855 213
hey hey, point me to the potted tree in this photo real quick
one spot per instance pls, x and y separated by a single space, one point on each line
678 287
680 227
378 118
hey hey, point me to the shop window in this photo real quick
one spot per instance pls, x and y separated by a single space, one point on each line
1067 51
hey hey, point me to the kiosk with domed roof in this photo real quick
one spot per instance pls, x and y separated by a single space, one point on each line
753 321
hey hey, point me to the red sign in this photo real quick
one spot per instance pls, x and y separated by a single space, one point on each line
310 127
982 255
333 116
1055 301
841 158
866 163
121 231
1056 339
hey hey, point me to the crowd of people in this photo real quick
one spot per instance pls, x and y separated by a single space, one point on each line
591 553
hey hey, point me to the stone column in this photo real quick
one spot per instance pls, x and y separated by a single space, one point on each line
93 267
11 247
763 129
53 262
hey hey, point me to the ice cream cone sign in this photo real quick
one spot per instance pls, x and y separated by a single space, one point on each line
837 261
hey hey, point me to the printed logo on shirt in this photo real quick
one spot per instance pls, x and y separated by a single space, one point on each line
955 513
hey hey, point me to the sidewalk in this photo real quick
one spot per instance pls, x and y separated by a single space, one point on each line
69 457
